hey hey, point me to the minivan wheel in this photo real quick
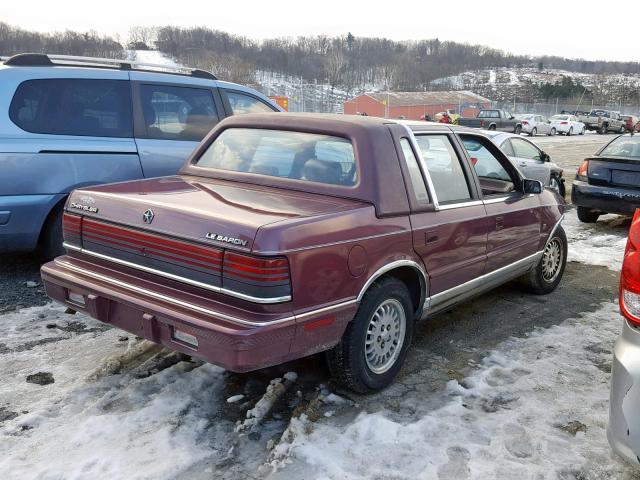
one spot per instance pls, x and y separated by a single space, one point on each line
587 215
546 275
375 343
51 240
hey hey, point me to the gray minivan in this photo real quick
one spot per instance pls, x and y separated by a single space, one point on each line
69 122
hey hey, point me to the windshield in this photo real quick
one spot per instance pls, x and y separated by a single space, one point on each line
623 147
560 117
277 153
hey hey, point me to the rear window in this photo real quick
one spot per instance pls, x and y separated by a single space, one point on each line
96 108
560 117
489 114
623 147
295 155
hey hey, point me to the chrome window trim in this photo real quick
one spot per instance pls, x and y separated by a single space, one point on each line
471 203
191 306
178 278
416 148
387 268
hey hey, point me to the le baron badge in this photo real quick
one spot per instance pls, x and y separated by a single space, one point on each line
225 239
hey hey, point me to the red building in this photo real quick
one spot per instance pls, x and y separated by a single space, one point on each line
415 105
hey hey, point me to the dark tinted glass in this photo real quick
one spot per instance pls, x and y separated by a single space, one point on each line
96 108
177 113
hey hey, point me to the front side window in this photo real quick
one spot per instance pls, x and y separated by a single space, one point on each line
295 155
78 107
628 147
177 113
445 169
241 103
524 149
493 176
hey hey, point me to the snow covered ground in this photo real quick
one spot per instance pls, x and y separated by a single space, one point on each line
119 407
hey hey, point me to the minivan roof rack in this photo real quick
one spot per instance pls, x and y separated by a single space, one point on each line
45 60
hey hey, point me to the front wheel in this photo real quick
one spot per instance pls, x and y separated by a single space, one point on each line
518 130
553 132
375 343
583 130
587 215
545 276
534 132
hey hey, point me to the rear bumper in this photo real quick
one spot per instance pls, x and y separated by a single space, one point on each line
623 201
231 337
623 431
21 220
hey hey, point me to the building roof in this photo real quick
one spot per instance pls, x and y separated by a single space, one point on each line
428 98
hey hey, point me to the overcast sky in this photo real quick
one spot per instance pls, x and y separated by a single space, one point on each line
574 28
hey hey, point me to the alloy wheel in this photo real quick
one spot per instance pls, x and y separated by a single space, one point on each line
552 260
385 336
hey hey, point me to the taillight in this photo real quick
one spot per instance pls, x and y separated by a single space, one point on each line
524 122
630 275
582 171
256 276
564 123
72 229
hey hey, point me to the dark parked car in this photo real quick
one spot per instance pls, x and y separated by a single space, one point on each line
286 235
609 181
493 120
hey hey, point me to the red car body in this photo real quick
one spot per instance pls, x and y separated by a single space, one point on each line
247 270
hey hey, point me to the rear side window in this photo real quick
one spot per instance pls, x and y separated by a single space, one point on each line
419 187
445 169
276 153
79 107
241 103
177 113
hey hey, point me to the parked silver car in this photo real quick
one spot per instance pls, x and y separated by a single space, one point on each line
534 124
623 431
533 162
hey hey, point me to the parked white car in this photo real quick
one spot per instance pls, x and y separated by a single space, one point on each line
568 125
533 125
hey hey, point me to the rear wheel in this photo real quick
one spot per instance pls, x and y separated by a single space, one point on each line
546 275
375 343
492 127
623 129
570 132
518 130
534 132
583 130
602 130
587 215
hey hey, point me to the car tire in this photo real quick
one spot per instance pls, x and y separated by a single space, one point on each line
353 362
602 130
492 127
556 184
51 239
570 132
584 129
587 215
545 276
623 130
518 130
534 132
553 132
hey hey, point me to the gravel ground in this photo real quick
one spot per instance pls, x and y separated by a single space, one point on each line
20 284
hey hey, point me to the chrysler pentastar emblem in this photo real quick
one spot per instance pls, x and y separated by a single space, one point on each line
148 215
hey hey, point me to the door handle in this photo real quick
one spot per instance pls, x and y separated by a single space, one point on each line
430 238
499 222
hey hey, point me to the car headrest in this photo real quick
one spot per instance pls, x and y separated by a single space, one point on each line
322 171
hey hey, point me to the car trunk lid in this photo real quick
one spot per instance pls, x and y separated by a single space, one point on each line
614 171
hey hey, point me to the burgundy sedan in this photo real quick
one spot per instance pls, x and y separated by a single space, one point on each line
291 234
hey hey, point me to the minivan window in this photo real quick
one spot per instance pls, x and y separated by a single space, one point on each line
241 103
295 155
177 113
79 107
445 169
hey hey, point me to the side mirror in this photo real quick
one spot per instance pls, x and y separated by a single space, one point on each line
544 156
532 186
